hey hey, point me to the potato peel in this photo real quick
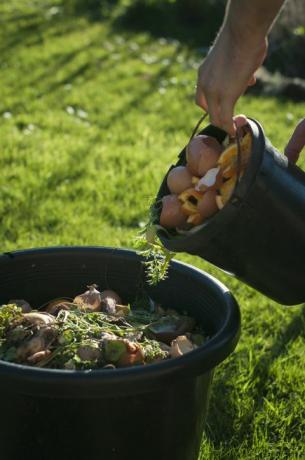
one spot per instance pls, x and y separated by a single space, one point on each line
228 160
227 188
219 202
195 219
189 201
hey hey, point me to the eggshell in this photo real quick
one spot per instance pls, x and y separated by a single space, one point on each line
211 180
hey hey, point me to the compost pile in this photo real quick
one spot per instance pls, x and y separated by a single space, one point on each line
94 330
205 184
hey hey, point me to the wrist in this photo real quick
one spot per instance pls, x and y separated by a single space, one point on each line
245 38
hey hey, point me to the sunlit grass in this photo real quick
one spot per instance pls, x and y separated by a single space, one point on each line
90 120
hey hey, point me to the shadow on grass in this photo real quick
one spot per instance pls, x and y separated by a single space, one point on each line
29 30
224 407
60 63
141 95
193 22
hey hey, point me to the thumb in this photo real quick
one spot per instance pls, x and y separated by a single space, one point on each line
252 81
296 142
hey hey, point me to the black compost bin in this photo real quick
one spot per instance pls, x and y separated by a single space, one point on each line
259 235
152 412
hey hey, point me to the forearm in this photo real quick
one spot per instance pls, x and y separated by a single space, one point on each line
239 50
251 20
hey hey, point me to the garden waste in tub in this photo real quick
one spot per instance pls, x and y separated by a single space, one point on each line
94 331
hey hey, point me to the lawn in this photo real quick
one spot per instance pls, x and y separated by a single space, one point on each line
91 115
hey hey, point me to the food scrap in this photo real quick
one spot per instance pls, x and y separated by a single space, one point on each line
206 183
94 330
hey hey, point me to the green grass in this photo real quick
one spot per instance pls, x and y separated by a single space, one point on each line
90 119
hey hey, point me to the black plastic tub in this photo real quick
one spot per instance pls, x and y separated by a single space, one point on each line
152 412
259 235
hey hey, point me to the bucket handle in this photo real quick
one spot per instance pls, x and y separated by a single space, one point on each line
238 143
200 121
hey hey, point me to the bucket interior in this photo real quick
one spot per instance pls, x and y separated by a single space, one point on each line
39 276
239 194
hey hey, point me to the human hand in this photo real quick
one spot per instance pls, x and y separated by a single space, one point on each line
225 74
296 142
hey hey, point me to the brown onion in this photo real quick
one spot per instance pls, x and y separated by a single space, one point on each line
90 299
109 293
56 305
171 214
180 346
30 347
39 318
109 301
179 179
134 355
202 154
39 356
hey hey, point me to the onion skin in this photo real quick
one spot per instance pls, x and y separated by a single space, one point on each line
109 300
202 154
30 347
108 293
54 307
89 352
90 300
39 356
133 356
39 318
179 179
171 214
180 346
